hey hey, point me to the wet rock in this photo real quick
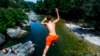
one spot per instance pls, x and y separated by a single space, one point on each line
2 38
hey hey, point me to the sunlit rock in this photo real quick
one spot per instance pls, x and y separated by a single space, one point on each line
16 32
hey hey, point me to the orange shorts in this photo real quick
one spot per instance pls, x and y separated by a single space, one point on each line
51 39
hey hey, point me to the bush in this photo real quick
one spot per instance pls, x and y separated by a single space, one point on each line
10 17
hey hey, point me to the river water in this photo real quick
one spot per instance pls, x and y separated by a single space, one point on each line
37 34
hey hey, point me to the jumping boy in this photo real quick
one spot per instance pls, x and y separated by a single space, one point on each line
52 36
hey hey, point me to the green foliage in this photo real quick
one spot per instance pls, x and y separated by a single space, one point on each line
76 10
12 3
4 3
28 5
87 7
10 17
11 13
48 6
70 9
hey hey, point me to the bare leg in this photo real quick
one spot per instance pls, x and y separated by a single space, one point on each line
45 50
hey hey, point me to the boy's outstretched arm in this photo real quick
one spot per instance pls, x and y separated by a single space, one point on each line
43 21
58 17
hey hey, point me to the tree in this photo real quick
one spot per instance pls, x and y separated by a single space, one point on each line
11 13
87 11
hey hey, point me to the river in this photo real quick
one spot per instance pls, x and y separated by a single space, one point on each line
37 34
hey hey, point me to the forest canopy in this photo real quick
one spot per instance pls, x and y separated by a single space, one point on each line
84 11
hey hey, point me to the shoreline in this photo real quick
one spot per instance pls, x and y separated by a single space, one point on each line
94 47
84 34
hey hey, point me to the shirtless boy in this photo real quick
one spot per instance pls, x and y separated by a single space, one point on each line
52 36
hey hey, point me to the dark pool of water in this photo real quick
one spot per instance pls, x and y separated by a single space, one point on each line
37 34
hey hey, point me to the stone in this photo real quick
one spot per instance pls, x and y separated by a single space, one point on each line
20 49
2 38
16 32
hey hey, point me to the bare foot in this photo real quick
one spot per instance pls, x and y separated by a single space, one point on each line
43 55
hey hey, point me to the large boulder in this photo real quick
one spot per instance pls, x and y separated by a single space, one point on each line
20 49
2 38
16 32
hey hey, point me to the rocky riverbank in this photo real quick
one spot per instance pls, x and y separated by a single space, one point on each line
20 49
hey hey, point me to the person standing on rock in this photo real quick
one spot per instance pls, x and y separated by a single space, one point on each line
52 36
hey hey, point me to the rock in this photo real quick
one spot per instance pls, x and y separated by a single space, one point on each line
2 38
16 32
20 49
88 54
25 23
22 34
27 13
